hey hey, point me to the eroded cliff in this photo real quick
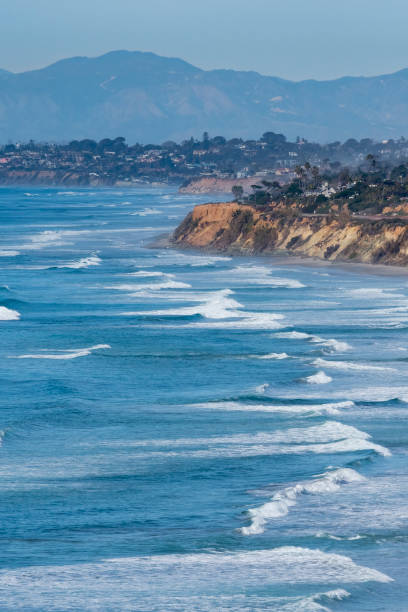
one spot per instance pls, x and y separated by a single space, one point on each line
231 227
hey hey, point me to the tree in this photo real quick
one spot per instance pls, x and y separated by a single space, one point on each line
372 161
238 192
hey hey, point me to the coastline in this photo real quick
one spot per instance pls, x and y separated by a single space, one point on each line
240 229
281 258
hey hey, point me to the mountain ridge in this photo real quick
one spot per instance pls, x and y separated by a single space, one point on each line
146 97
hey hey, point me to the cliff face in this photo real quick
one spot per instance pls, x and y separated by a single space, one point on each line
232 227
216 185
49 177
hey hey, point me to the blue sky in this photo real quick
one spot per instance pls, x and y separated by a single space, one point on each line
293 39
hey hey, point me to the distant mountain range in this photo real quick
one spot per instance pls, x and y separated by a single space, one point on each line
147 98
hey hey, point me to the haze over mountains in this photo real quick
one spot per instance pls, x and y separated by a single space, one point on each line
148 98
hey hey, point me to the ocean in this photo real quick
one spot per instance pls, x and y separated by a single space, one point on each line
194 432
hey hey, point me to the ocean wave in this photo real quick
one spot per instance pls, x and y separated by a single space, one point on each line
271 356
261 388
330 344
260 275
283 500
6 314
329 438
65 354
85 262
346 365
314 409
176 258
145 212
322 534
149 274
374 292
320 378
133 289
217 305
294 335
247 320
9 253
194 581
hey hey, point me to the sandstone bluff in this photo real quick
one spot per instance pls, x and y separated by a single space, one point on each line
238 228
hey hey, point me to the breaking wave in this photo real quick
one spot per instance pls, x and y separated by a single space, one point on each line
320 378
330 438
261 275
283 500
85 262
314 409
346 365
272 356
7 314
330 344
194 581
65 354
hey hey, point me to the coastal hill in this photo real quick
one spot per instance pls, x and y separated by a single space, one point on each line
147 98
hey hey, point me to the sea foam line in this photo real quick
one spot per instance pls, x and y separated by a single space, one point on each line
64 354
312 409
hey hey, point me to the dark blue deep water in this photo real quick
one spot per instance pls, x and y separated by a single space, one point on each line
189 432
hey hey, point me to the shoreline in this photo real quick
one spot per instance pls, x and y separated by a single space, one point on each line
282 258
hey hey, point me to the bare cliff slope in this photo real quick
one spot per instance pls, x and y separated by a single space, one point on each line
238 228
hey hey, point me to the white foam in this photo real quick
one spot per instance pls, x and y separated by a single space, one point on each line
134 289
217 305
245 320
320 378
331 344
374 292
175 258
282 501
65 354
145 212
330 437
6 314
261 388
261 275
346 365
85 262
313 409
272 356
149 274
321 534
9 253
294 335
372 394
194 581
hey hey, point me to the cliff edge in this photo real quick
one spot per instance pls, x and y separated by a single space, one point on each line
239 228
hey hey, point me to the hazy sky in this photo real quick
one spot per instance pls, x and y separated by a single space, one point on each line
293 39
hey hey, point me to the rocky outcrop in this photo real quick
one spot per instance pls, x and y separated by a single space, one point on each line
216 185
232 227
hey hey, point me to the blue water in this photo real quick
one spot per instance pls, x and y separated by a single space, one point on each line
184 431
